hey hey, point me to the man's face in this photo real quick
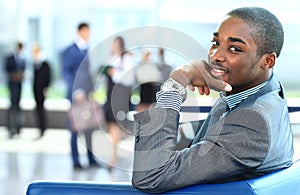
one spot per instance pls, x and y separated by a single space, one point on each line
85 33
232 55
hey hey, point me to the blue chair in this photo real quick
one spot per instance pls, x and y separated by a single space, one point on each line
286 181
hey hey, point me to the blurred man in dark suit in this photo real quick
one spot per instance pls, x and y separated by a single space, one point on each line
76 73
41 83
15 67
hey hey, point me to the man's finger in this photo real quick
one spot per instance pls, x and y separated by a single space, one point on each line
200 90
219 85
206 90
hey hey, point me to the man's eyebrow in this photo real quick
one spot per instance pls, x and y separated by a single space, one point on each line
216 34
231 39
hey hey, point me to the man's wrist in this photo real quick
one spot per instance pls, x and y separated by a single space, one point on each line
171 85
180 77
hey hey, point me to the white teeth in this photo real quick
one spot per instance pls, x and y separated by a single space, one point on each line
219 71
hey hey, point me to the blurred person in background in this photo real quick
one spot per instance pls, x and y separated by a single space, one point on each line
41 81
148 77
120 81
15 66
164 68
76 73
150 74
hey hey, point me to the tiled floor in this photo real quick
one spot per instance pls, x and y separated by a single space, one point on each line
24 159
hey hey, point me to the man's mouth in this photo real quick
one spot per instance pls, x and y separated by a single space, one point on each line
217 71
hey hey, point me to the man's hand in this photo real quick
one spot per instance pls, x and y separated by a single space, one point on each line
196 74
17 76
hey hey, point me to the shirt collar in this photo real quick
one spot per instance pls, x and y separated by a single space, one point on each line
81 44
233 100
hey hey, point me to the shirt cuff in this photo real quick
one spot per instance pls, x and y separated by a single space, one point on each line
168 99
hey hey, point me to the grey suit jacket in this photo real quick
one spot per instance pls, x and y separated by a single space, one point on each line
253 139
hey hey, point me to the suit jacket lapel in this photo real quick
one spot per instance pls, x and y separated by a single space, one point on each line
217 111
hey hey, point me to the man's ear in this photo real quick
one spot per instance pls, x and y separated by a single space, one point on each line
269 60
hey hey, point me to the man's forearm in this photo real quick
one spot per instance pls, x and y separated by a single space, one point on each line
156 138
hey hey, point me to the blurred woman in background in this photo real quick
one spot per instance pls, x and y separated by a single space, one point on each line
120 81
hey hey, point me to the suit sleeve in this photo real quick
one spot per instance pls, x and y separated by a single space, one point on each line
66 58
9 64
47 74
229 148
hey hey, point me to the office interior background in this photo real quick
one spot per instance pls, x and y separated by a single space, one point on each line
53 24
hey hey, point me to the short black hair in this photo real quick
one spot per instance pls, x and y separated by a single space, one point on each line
82 25
20 46
266 29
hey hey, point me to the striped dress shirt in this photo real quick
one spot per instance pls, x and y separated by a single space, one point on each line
173 100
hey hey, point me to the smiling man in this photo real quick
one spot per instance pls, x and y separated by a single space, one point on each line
247 133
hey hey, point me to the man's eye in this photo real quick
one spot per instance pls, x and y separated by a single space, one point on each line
215 43
235 49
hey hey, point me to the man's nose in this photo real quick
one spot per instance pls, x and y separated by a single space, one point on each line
217 55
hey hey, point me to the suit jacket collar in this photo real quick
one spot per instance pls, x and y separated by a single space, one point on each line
273 85
219 107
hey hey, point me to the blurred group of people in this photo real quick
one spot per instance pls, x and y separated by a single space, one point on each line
149 75
15 65
124 75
